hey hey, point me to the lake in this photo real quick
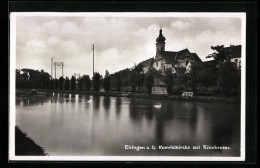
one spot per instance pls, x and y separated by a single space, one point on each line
84 125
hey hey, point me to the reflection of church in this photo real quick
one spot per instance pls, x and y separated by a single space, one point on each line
168 59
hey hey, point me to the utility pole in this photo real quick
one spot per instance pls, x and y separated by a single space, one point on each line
55 70
62 69
58 64
51 67
93 48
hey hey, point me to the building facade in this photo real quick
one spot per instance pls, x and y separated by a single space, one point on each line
159 87
235 54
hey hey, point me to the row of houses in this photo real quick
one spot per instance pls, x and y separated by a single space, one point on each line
178 59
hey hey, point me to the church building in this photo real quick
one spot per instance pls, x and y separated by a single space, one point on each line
168 59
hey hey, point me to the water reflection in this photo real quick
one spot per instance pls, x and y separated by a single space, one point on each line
66 124
96 102
17 101
137 109
73 98
106 105
193 121
118 106
54 98
106 102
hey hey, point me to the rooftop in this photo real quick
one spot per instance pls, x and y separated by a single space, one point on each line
235 51
147 62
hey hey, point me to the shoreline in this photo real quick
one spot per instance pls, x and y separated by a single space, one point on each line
209 99
25 146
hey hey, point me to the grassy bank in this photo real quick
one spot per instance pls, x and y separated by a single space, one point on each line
215 99
24 146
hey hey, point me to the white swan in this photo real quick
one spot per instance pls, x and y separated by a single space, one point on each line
157 106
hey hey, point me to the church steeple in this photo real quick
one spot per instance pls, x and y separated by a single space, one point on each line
160 42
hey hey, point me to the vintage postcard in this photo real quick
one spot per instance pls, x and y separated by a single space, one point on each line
129 86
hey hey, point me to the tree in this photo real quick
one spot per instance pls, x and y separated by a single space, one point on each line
137 77
18 79
228 77
228 74
195 68
55 84
73 83
133 78
61 82
107 81
44 78
207 77
51 84
118 82
86 82
149 78
220 55
140 76
149 81
29 78
80 83
96 81
169 80
67 83
183 78
125 76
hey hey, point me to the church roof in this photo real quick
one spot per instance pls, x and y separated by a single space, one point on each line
168 56
158 82
147 62
171 57
235 51
185 53
182 53
196 57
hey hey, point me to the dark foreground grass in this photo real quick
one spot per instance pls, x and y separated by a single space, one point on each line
24 146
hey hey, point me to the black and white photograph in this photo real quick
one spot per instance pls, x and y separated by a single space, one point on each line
119 86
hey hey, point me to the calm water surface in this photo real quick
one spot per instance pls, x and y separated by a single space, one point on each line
96 125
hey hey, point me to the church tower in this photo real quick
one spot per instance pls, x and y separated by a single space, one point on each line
160 42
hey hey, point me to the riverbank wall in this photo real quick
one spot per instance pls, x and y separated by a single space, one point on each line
216 99
25 146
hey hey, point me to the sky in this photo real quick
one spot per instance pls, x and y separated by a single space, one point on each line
120 42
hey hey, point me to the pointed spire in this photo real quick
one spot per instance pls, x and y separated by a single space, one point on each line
160 31
160 38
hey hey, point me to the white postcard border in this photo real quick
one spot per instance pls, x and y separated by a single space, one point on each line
12 62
